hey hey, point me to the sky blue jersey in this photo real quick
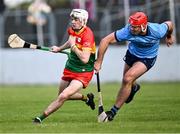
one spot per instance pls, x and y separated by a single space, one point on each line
143 46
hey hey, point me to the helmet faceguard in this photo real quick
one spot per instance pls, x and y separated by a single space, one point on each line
139 19
81 14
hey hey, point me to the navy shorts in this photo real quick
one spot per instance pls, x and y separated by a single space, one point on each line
131 59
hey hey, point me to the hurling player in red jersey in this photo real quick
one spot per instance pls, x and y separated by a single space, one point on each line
80 64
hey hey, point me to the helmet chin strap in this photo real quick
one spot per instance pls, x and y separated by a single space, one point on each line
143 29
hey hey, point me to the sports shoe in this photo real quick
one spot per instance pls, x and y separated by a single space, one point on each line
134 89
110 115
37 120
90 100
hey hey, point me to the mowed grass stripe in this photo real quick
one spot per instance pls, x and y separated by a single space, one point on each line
156 108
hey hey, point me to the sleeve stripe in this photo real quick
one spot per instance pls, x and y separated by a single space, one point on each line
116 36
167 29
86 48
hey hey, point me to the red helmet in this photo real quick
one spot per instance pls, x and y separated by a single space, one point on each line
138 19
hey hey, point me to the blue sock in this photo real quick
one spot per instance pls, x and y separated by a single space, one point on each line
114 110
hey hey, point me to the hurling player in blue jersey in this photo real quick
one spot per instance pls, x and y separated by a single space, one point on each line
144 38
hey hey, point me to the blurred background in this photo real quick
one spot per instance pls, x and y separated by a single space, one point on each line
45 22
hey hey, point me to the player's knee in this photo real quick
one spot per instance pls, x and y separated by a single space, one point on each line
63 97
127 79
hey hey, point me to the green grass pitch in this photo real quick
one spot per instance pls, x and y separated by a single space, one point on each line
155 109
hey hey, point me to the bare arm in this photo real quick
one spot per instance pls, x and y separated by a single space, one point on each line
83 55
169 36
64 46
56 49
102 49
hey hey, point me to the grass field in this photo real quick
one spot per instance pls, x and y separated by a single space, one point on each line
155 109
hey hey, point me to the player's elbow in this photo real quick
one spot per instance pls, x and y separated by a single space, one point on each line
84 57
104 40
84 60
169 22
170 25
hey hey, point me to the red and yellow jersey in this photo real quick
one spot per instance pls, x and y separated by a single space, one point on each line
84 42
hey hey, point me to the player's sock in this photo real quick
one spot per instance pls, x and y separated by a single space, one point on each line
84 98
114 110
110 114
42 117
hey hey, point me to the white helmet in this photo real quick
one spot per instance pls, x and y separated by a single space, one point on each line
81 14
